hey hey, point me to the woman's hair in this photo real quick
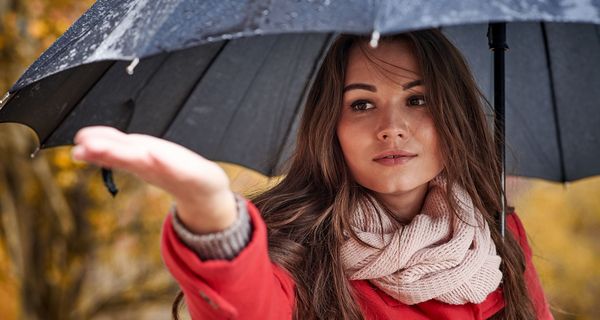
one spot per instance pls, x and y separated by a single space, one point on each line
307 212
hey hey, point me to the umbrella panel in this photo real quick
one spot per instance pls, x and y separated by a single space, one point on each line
235 101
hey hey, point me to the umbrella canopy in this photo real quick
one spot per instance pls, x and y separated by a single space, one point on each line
189 72
552 96
130 29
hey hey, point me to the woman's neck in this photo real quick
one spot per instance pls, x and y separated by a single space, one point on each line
406 205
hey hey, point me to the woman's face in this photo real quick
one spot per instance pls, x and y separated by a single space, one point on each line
385 128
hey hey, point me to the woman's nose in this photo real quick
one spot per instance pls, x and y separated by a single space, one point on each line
393 126
390 134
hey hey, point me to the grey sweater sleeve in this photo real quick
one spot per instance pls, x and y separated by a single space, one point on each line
223 245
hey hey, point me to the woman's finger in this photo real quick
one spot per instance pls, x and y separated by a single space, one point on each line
109 147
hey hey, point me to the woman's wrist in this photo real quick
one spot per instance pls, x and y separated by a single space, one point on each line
202 215
226 244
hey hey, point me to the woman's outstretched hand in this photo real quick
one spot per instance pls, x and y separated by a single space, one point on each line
200 187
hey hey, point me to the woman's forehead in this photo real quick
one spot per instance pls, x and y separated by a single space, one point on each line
392 59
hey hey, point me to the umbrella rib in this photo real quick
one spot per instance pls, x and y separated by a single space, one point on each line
327 44
554 102
232 118
134 97
43 142
193 88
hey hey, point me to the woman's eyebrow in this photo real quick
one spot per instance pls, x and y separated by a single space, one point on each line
372 88
411 84
362 86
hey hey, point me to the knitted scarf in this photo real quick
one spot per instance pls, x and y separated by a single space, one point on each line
436 256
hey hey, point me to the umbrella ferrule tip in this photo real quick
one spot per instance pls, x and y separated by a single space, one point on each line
374 39
132 66
4 100
34 153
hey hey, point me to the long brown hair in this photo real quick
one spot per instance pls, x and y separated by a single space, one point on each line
307 211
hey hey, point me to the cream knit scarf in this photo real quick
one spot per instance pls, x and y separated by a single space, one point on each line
437 256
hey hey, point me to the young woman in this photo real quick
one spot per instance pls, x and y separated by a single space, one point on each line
387 209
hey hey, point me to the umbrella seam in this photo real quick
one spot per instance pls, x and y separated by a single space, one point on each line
68 113
193 88
134 97
231 119
554 106
302 101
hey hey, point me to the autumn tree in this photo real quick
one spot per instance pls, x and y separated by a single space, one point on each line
69 250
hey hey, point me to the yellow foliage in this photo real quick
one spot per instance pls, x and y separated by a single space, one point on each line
9 288
38 28
66 179
245 181
562 223
61 158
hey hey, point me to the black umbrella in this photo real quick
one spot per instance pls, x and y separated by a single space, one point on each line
189 71
180 94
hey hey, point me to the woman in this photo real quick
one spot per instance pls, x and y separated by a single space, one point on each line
386 209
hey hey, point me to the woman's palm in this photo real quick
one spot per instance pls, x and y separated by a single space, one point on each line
167 165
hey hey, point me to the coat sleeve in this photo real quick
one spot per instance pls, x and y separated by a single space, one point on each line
532 280
248 287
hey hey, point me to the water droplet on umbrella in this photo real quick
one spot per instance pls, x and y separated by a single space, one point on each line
374 39
132 66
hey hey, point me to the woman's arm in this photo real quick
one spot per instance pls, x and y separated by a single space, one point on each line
536 293
249 286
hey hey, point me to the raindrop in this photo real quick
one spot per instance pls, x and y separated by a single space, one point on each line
374 39
265 12
294 14
132 66
226 36
327 2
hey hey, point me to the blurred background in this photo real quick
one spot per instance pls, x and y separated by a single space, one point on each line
68 250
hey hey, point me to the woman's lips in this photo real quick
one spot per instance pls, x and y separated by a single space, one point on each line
394 157
394 161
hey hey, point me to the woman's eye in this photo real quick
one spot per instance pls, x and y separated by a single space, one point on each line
416 101
361 105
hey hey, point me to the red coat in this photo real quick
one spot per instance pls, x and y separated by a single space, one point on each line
252 287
